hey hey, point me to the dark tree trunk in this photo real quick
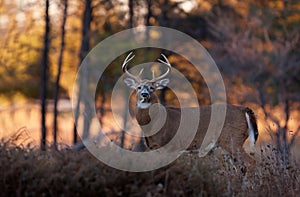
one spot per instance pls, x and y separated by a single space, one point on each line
149 12
124 122
130 5
165 18
101 108
60 58
86 29
147 19
85 46
44 73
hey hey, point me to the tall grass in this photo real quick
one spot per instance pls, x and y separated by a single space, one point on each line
27 171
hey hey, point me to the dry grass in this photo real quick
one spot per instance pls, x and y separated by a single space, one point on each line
27 171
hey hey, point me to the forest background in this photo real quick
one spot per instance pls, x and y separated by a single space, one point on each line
254 43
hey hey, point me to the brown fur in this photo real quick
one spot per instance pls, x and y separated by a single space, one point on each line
231 139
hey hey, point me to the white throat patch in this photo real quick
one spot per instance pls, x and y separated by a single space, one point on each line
143 105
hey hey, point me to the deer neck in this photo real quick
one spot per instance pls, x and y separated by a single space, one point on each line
143 116
143 110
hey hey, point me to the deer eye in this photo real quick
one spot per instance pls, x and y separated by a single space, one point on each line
139 87
151 88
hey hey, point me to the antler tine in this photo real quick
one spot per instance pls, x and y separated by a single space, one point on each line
166 62
125 64
140 73
153 75
127 59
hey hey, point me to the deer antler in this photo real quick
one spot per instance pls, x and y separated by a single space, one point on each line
125 70
137 78
166 62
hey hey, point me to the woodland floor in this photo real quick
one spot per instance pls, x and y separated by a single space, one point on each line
30 172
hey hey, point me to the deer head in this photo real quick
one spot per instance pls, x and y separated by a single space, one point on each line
145 88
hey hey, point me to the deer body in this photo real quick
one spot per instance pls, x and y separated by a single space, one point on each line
240 122
232 138
235 128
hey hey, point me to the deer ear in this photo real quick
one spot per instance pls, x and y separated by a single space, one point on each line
130 83
162 83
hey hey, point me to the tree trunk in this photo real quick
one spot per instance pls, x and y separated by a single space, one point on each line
44 73
60 58
85 46
149 12
130 5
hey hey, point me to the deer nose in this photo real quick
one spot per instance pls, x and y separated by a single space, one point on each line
144 94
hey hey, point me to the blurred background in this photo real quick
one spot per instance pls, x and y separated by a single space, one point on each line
255 44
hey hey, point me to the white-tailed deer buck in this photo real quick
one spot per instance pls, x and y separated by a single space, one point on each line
240 122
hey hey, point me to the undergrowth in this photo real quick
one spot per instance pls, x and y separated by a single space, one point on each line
31 172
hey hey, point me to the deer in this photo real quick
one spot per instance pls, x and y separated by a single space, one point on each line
240 122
